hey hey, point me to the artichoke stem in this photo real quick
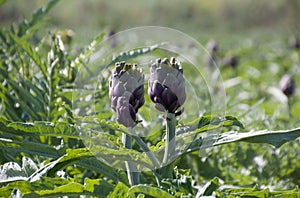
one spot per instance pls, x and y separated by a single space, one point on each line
289 107
167 170
146 149
132 172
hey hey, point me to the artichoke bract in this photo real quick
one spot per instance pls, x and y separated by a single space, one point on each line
166 86
126 92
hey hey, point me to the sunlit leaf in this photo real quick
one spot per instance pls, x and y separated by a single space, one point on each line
120 190
209 188
11 171
149 190
276 138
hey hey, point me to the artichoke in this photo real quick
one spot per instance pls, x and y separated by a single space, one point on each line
231 61
126 92
166 86
212 46
287 85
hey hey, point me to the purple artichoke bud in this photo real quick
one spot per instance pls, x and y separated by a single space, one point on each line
287 85
126 92
166 86
212 46
231 61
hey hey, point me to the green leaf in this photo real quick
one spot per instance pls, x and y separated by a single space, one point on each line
71 157
11 171
233 121
28 187
209 188
134 53
31 147
227 121
31 53
83 158
25 27
276 138
286 193
122 155
207 123
96 165
149 190
28 166
121 191
244 192
38 128
26 95
72 188
55 187
99 187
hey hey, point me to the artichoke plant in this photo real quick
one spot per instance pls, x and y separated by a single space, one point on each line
166 86
166 89
126 92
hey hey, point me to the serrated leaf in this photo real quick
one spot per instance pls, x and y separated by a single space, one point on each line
82 157
11 171
62 129
99 187
27 187
121 190
276 138
28 166
72 188
208 122
204 124
29 147
149 190
96 165
227 121
122 155
244 192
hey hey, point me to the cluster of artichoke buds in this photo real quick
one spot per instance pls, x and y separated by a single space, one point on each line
166 86
166 89
127 92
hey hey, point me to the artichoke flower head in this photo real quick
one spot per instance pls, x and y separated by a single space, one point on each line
166 86
126 92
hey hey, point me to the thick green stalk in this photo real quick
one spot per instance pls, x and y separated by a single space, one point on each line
167 170
289 107
146 149
132 172
149 153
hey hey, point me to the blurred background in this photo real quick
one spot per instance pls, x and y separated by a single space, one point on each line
201 19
